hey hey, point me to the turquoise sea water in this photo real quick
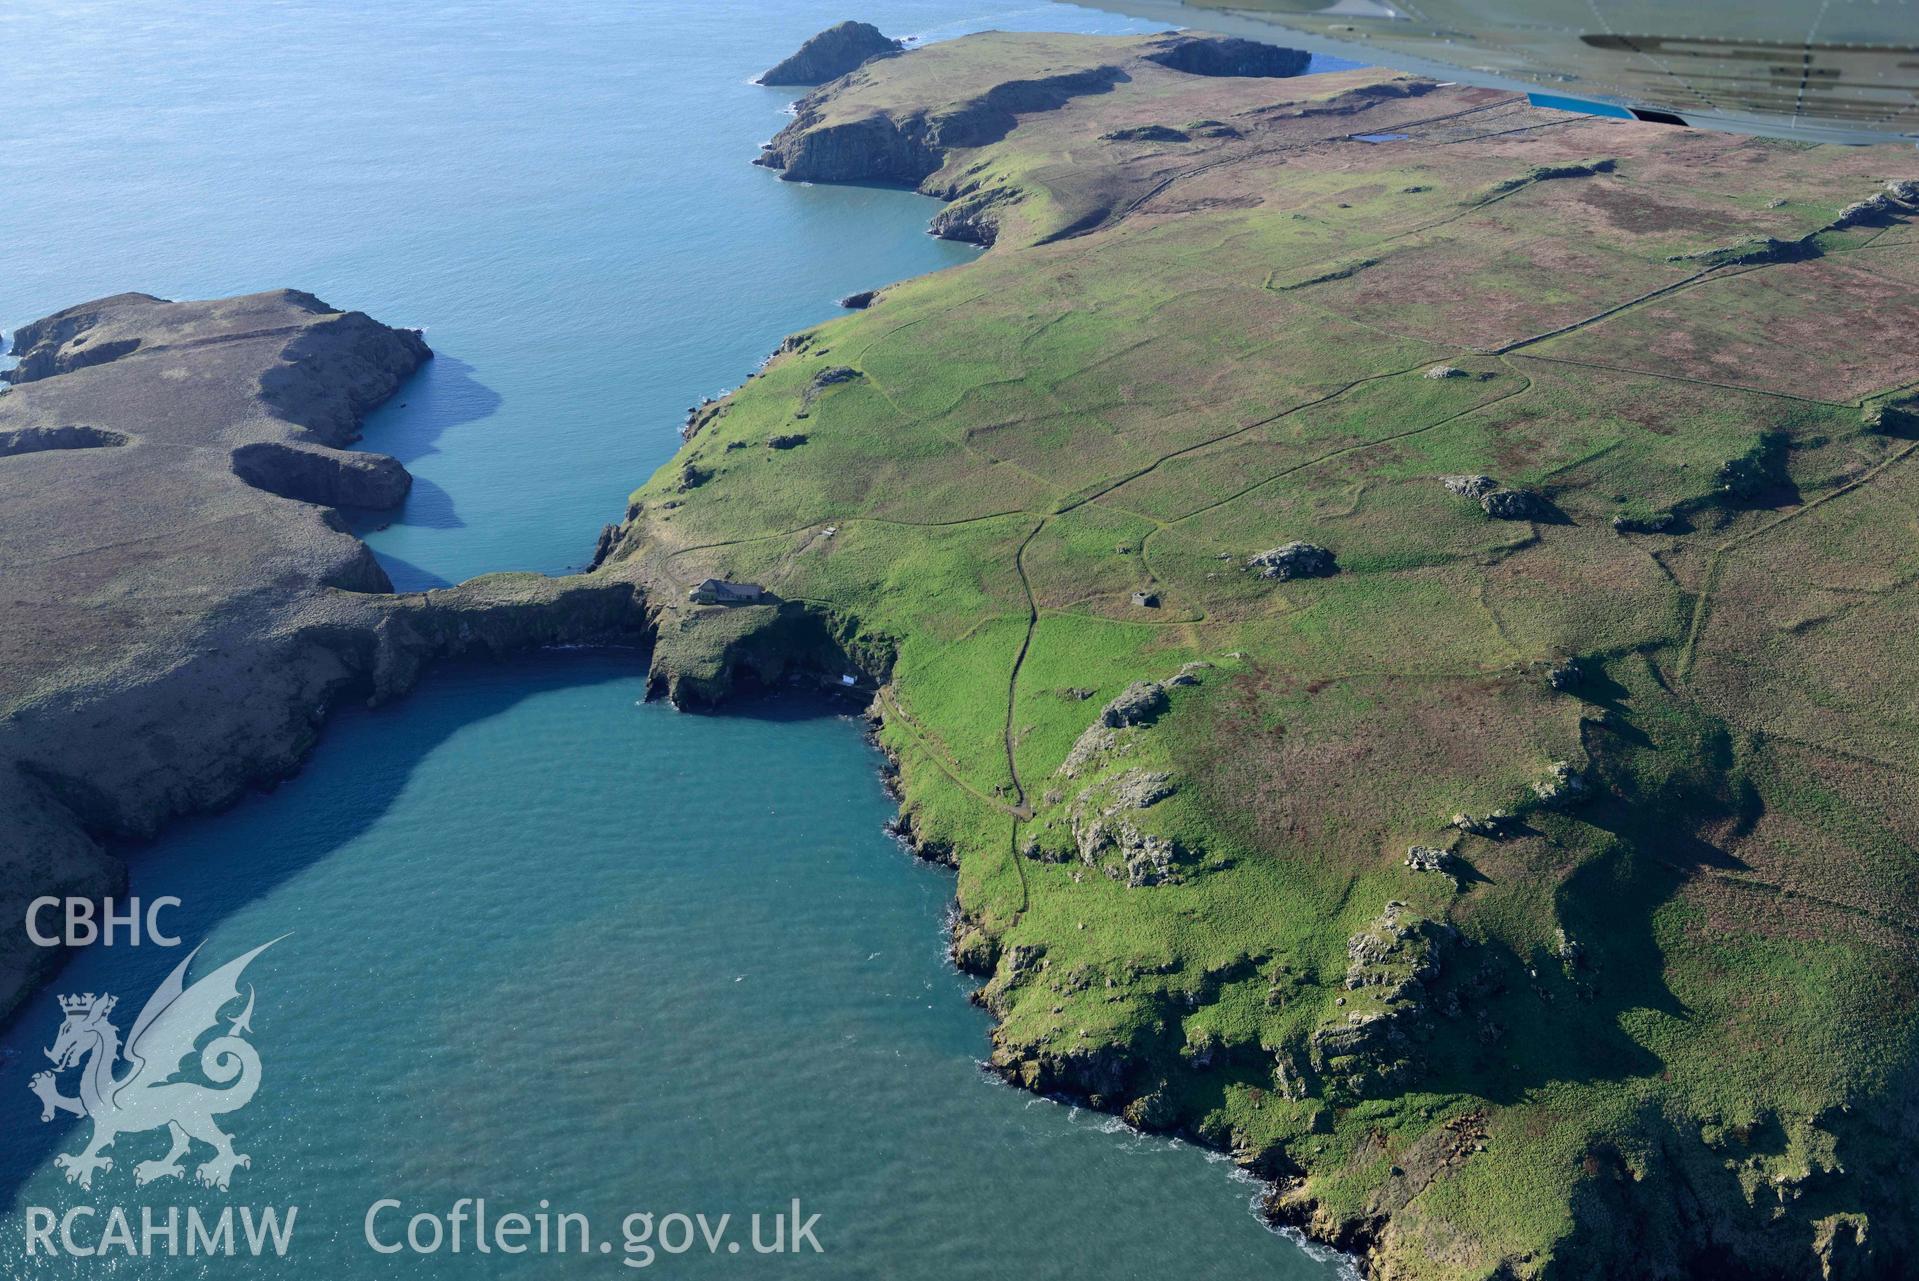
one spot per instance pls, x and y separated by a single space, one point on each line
544 940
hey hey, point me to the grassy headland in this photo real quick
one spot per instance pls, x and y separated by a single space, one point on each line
1533 895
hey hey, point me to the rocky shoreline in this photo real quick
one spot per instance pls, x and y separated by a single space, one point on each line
847 130
188 605
1386 1069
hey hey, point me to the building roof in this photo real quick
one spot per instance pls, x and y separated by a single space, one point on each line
720 589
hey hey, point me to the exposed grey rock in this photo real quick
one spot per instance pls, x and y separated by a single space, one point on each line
1121 850
605 544
1429 858
317 474
1391 965
1146 133
1227 56
1289 1074
1295 560
833 375
31 440
698 416
1189 673
1140 703
1516 504
1492 827
1469 486
1562 785
1873 208
1443 371
972 218
1566 947
831 54
1151 1111
786 440
1095 741
1140 789
859 301
1566 675
911 147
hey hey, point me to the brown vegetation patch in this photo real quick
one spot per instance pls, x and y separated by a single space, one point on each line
1772 328
1341 765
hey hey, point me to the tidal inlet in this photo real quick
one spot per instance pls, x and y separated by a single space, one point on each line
737 639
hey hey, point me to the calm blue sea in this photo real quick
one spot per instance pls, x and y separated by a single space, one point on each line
544 941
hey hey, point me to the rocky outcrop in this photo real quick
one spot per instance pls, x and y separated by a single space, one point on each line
1371 1048
316 474
831 54
908 147
1469 486
831 376
1516 504
30 440
1108 838
1139 704
1295 560
701 658
67 340
1147 133
973 216
1562 785
1227 56
1111 732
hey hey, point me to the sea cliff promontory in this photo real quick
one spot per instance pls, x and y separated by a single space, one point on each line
831 54
184 601
900 120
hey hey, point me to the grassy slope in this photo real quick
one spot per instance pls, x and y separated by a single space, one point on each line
1669 1025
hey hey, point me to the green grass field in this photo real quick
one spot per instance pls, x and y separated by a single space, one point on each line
1662 1023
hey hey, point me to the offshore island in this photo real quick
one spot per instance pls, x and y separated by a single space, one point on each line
1393 601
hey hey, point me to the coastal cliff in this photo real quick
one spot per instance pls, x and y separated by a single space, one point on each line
186 605
1344 657
925 118
831 54
1521 887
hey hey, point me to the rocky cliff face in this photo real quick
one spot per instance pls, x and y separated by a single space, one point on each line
1227 56
831 54
881 124
186 605
906 148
